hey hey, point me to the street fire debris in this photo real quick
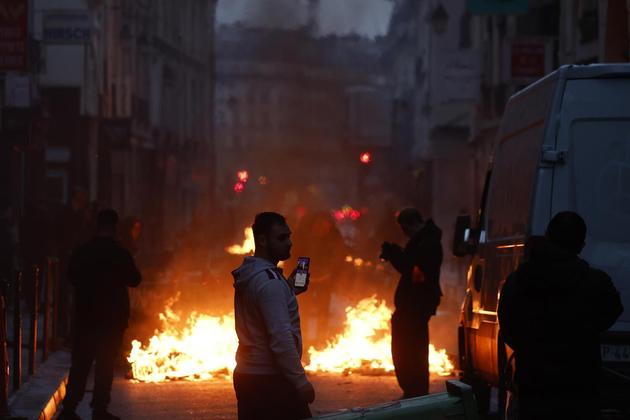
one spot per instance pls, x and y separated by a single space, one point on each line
203 346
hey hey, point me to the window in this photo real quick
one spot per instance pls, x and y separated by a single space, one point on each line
513 177
600 177
464 31
588 21
516 159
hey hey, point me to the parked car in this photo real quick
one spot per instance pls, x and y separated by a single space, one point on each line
563 144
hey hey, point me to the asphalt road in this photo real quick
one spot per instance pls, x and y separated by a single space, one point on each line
215 399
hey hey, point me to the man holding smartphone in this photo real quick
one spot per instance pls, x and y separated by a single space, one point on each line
269 379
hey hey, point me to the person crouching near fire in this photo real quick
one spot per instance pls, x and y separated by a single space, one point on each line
269 379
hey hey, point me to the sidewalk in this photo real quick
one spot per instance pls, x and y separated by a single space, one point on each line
40 397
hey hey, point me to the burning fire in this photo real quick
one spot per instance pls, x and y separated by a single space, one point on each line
248 244
204 346
201 348
365 344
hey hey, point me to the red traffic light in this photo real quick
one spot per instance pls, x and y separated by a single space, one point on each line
365 157
239 187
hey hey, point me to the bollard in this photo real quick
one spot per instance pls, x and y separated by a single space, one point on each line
55 299
34 317
46 309
4 357
17 331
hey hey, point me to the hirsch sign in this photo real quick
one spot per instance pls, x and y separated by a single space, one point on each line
66 28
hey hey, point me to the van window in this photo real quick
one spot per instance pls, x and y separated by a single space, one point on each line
515 161
513 178
601 177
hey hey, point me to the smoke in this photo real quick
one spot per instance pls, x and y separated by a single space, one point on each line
368 18
283 14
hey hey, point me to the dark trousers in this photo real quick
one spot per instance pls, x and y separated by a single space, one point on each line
268 397
410 353
89 347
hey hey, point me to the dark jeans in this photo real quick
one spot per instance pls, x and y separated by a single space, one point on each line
89 347
410 353
268 397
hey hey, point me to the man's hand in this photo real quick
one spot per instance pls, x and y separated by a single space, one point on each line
307 393
299 290
388 250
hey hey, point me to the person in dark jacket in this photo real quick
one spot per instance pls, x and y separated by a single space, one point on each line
551 313
269 380
416 299
100 271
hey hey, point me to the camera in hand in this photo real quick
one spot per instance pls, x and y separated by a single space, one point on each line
387 249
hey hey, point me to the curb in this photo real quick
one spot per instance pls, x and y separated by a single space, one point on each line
42 395
54 403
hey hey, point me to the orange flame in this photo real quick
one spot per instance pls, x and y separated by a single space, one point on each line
366 344
248 244
200 349
204 346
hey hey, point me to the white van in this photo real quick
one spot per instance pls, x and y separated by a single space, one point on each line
563 144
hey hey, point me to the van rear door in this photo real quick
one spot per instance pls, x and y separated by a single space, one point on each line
594 181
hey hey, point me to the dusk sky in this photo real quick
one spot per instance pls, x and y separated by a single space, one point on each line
366 17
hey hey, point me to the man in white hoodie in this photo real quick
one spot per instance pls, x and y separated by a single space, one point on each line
269 379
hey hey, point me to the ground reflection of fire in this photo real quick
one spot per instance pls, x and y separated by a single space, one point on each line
203 347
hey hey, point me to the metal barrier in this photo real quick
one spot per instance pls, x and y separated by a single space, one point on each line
4 356
45 286
17 331
46 307
34 321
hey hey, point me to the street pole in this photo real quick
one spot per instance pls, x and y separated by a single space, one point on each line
4 357
34 316
17 332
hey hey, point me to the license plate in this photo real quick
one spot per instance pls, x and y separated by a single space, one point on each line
615 353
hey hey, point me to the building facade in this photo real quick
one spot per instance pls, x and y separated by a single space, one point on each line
120 99
454 64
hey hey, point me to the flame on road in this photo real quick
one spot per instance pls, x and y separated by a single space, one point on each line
365 344
203 347
248 244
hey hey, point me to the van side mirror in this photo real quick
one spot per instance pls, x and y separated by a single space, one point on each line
463 241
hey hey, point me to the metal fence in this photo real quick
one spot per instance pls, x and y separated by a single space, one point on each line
41 306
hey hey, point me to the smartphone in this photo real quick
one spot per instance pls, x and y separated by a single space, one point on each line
302 271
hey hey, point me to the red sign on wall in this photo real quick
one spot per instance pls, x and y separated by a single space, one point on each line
13 35
528 59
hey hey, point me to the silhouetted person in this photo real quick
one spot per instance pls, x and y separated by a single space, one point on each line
417 298
317 237
74 227
551 313
269 379
100 271
130 231
7 246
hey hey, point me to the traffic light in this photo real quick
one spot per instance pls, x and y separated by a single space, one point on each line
365 158
243 176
